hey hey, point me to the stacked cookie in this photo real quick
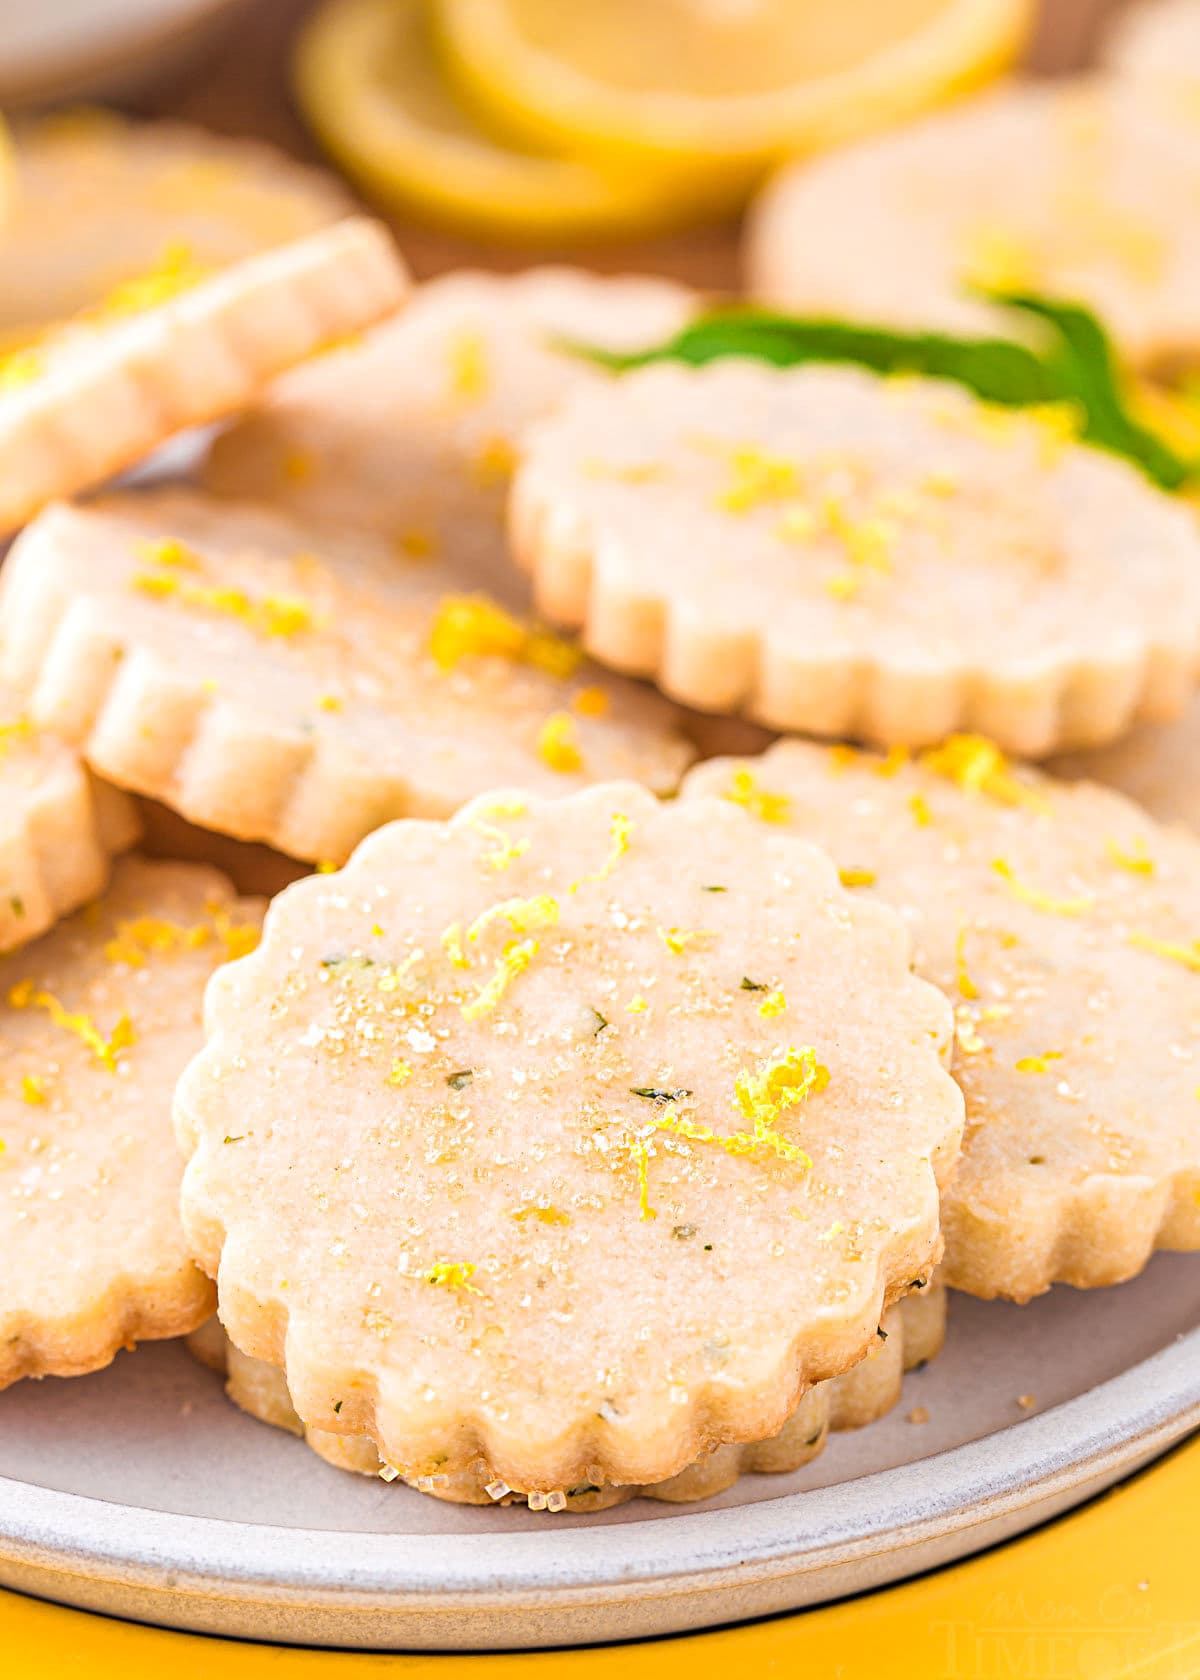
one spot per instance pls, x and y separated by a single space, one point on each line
583 1124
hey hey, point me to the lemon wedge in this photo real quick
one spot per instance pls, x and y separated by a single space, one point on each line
367 78
719 88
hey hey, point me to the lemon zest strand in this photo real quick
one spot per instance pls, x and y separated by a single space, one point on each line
1172 950
1136 860
1039 900
513 961
620 830
977 765
26 995
760 802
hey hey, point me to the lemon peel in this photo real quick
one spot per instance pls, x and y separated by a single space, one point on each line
473 626
755 477
962 978
271 615
1039 1064
678 939
466 355
27 995
453 1274
512 961
1039 900
558 744
1135 860
977 765
524 915
620 831
760 802
1172 950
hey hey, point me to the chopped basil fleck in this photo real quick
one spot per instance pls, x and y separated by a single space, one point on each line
653 1093
749 985
456 1081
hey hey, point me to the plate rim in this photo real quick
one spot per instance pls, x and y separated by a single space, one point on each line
1126 1419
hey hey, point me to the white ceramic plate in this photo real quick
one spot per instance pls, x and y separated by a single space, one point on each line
141 1491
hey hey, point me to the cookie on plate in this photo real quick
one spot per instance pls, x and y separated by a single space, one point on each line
99 1017
1157 43
1062 922
107 210
98 392
834 553
1081 189
911 1334
299 685
618 1155
415 430
59 827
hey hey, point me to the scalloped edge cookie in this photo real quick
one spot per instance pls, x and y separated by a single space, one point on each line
913 1333
101 1014
334 1340
770 542
91 400
114 618
58 835
1052 1186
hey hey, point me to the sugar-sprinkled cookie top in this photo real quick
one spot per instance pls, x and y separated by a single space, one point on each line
577 1197
99 1017
415 430
838 553
1064 924
375 687
1081 189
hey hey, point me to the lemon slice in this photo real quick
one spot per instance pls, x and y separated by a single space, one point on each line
723 86
367 78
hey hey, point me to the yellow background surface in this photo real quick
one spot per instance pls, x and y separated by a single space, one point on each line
1111 1592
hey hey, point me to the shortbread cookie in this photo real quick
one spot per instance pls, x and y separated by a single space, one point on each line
415 430
620 1150
830 552
911 1334
1062 921
95 395
59 828
1157 42
99 1017
107 212
1084 190
1158 765
295 685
